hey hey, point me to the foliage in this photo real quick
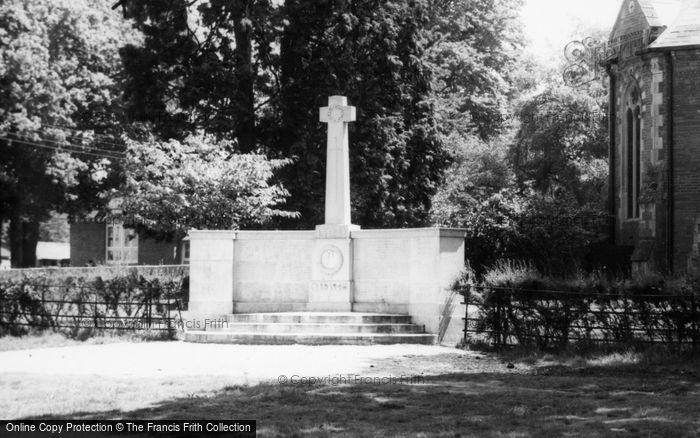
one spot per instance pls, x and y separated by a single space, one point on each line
175 186
557 235
371 52
562 144
472 49
90 300
58 63
55 229
536 194
476 195
479 196
196 70
516 304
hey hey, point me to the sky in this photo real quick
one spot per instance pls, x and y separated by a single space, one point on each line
551 24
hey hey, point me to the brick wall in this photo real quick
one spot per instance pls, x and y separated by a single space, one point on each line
649 74
152 252
87 243
686 151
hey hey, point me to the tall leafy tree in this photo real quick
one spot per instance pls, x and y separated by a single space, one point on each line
200 66
370 51
195 69
58 63
562 144
473 49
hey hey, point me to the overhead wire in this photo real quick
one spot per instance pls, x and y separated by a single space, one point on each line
66 143
60 149
82 141
63 148
65 128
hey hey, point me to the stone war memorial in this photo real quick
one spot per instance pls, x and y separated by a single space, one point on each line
337 284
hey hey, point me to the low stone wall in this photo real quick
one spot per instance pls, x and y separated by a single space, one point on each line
272 271
410 271
405 271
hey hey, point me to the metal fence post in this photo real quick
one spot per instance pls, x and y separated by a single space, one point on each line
148 309
505 327
694 321
43 305
497 322
467 296
94 311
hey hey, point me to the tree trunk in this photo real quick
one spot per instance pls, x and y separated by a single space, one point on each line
15 234
24 236
30 239
245 74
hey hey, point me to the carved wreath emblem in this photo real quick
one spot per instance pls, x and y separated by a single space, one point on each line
336 113
331 259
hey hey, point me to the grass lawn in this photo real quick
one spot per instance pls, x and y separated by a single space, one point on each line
613 395
585 403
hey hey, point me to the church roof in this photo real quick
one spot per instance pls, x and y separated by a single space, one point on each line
645 13
662 12
684 30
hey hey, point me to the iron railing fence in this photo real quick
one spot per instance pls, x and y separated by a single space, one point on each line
549 318
59 307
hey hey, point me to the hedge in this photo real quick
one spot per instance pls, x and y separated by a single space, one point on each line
98 299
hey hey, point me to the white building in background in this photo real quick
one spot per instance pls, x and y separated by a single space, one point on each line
4 258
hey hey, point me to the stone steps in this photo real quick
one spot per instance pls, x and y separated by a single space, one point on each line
308 338
244 327
310 328
318 318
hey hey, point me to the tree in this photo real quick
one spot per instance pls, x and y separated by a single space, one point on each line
370 51
537 193
58 62
478 195
171 187
55 229
562 144
196 69
185 78
473 49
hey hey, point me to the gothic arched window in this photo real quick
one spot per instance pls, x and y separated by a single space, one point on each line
632 151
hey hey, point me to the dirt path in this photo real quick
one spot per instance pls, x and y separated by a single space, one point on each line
128 376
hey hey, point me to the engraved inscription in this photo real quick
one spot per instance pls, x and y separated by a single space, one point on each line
329 286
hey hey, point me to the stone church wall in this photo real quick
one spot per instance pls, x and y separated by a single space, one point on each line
648 73
686 153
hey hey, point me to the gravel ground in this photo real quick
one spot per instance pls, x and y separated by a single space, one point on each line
252 363
107 377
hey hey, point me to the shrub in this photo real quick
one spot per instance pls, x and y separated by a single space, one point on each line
86 301
516 305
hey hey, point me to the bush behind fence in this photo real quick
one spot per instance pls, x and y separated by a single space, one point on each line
525 309
93 299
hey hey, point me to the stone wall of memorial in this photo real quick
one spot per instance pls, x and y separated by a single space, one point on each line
406 271
272 271
409 271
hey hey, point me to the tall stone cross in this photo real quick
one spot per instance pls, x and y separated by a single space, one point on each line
331 287
338 114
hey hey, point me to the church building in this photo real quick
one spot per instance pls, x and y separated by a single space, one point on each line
653 62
